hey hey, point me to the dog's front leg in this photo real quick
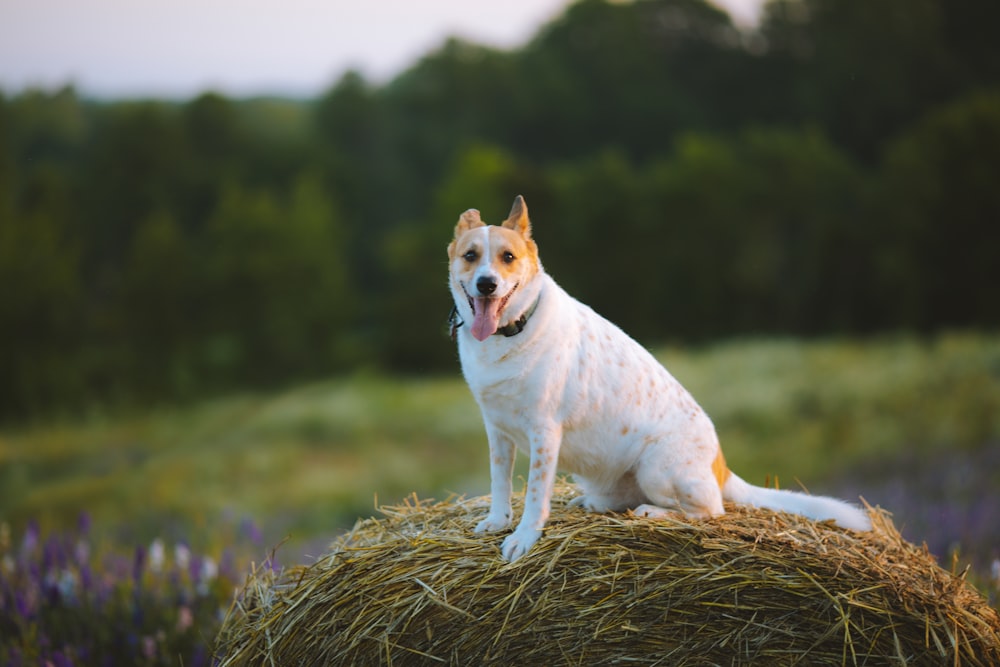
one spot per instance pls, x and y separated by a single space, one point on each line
502 453
538 496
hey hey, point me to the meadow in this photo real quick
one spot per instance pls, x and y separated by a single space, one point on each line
911 424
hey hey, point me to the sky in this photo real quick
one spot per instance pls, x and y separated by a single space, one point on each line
241 48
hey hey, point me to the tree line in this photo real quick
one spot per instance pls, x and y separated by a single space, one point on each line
833 171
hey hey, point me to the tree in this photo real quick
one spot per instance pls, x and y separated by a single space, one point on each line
278 286
41 315
940 206
162 304
415 304
755 233
628 76
861 69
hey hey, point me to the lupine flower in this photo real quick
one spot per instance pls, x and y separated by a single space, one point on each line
138 563
157 555
182 556
148 647
66 585
81 552
185 619
249 529
83 522
30 542
68 599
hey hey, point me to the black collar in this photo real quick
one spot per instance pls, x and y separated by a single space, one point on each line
517 326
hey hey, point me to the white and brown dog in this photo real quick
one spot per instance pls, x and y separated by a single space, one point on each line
556 379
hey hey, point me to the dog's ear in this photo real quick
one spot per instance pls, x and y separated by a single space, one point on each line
467 221
518 218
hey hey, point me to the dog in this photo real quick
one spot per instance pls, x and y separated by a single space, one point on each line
557 380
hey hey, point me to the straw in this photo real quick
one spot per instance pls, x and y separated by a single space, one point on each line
419 587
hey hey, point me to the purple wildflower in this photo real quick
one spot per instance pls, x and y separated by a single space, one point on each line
82 552
138 564
194 569
227 564
60 659
30 542
69 599
86 579
250 530
53 554
200 657
83 524
22 604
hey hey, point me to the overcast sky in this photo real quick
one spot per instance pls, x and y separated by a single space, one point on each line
179 48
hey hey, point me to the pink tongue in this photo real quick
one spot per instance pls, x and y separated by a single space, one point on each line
487 317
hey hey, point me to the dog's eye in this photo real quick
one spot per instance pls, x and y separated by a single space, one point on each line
470 256
507 257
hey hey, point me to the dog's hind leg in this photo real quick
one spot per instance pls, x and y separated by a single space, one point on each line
693 490
618 497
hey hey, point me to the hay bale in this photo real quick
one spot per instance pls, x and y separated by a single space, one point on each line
750 587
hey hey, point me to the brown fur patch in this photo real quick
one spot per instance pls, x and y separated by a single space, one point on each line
719 469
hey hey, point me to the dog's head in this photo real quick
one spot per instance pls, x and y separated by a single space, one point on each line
490 268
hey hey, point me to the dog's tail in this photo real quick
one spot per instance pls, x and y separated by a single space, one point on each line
819 508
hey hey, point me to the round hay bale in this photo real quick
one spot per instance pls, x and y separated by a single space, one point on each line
751 587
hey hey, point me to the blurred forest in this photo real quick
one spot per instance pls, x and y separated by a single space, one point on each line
836 171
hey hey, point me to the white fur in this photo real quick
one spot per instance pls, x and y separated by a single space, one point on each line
578 394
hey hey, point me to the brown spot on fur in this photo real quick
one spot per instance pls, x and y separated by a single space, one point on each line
719 469
624 430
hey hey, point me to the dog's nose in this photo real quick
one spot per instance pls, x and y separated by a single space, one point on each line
486 285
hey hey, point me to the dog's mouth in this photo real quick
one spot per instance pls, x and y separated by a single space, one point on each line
486 312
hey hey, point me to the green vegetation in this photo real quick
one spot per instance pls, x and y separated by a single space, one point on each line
832 173
306 462
818 410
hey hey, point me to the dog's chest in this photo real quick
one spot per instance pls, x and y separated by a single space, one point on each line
580 369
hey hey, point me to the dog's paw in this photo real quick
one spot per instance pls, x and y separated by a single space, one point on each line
518 543
595 504
493 523
651 512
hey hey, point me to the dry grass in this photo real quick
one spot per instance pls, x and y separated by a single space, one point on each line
751 587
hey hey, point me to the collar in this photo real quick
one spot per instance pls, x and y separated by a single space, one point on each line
517 326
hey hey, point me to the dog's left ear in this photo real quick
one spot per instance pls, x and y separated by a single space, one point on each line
518 218
467 221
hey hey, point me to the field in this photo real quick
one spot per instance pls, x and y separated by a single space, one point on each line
832 416
913 425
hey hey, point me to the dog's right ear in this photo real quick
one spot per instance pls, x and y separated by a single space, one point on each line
468 220
518 218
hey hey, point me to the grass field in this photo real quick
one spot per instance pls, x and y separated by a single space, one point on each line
911 424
